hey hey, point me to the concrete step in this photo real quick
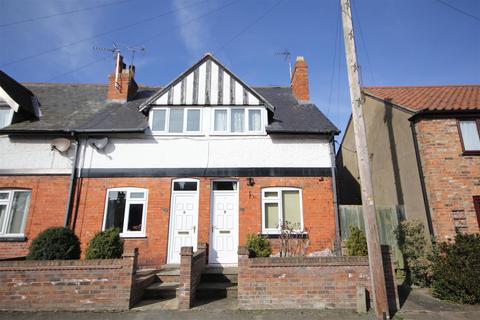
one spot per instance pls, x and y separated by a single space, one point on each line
208 290
161 290
169 273
220 274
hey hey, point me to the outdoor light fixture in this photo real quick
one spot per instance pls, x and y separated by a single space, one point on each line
251 181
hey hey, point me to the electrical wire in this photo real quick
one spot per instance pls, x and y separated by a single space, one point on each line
458 9
13 23
38 54
250 25
148 39
335 51
363 42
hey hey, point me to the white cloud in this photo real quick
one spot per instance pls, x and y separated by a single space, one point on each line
194 32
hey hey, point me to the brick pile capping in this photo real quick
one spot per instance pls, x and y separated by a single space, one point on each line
79 285
306 282
191 267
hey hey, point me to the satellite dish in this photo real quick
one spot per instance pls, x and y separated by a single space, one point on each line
60 144
98 144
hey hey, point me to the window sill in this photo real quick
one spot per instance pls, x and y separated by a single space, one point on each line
132 236
277 234
471 153
13 238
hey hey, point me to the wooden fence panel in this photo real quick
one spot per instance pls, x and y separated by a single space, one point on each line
388 218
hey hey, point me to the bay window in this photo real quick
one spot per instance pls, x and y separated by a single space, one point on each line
126 209
6 114
281 205
237 120
175 120
470 135
13 211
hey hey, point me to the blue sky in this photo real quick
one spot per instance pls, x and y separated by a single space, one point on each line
407 42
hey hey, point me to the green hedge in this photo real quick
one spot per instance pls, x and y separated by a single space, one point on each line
356 242
56 243
456 270
105 245
258 246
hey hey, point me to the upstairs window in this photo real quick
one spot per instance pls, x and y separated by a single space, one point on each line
6 114
126 209
281 205
237 120
13 211
175 120
470 135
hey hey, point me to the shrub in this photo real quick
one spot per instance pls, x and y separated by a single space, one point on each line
56 243
417 253
105 245
356 242
258 246
456 271
293 243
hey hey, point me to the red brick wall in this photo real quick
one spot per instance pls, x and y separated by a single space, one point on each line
451 179
319 216
48 202
308 282
67 285
191 267
301 282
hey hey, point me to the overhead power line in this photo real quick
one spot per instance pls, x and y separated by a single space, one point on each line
250 25
147 39
38 54
13 23
458 10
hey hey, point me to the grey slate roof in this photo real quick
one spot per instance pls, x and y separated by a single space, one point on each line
84 108
294 117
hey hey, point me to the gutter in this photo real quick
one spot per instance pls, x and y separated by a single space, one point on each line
71 188
422 179
337 247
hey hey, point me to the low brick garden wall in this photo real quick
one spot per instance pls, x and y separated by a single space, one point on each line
68 284
191 267
302 282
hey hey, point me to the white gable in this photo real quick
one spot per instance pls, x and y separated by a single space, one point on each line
207 84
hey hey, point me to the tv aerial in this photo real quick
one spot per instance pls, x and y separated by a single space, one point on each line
286 56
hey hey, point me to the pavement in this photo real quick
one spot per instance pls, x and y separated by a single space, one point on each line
416 305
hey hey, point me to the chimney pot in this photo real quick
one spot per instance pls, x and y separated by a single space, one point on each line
300 86
121 83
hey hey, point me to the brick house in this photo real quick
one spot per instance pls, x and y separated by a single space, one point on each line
204 159
424 150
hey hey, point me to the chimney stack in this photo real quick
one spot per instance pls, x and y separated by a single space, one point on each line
121 83
300 80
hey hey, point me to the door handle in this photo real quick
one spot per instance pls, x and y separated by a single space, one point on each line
194 229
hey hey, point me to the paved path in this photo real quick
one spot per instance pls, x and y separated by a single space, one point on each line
419 305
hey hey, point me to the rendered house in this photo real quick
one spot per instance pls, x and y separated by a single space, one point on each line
205 159
424 150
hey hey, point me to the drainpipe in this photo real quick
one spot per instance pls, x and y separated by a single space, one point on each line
337 248
71 188
422 178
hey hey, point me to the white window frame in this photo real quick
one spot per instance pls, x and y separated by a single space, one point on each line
10 117
125 233
279 200
8 202
246 125
167 121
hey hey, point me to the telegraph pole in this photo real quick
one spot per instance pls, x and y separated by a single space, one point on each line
368 204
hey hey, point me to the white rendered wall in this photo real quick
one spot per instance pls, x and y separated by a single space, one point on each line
32 154
211 152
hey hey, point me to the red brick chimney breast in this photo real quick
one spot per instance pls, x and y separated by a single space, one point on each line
124 88
300 87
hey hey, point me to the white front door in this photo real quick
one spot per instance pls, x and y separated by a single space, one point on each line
183 223
224 224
